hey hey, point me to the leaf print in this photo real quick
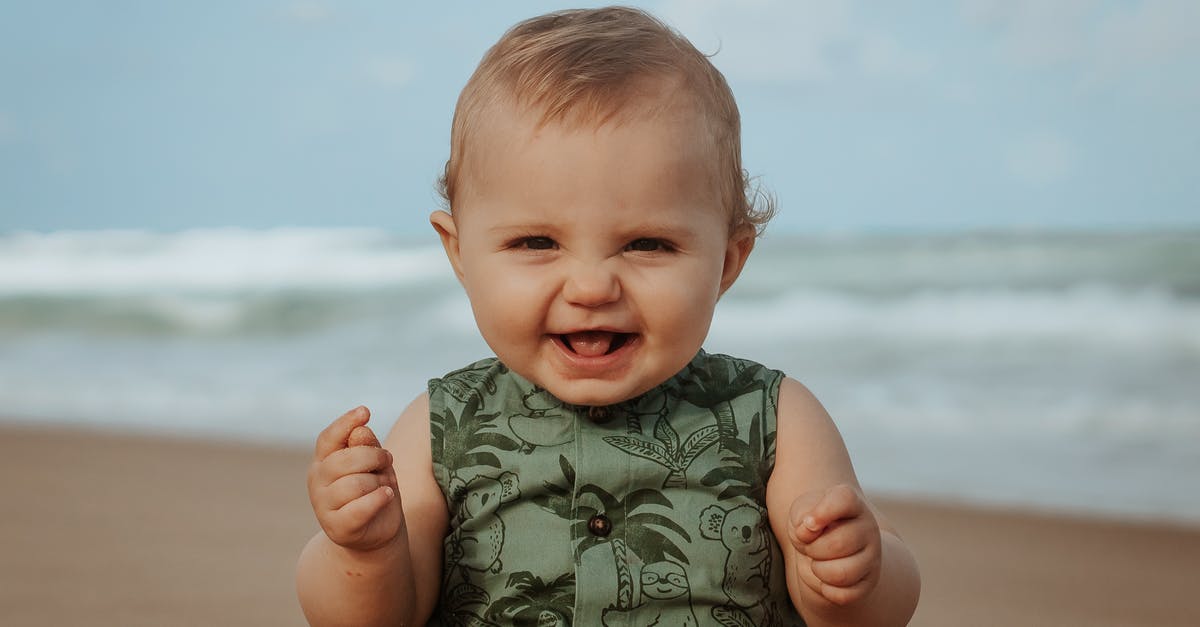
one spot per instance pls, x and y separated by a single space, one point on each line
714 386
646 450
460 606
731 617
535 601
748 465
459 437
470 595
559 500
698 441
665 433
568 470
667 452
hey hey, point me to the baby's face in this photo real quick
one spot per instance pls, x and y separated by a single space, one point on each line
593 258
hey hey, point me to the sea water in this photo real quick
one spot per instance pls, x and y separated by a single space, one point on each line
1048 370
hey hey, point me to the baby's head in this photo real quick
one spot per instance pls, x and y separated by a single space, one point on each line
598 204
588 67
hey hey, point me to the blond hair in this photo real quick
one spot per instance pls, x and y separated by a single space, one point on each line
587 66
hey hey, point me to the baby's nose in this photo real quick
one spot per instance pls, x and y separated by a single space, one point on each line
591 284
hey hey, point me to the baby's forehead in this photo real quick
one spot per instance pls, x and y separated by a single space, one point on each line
658 99
508 126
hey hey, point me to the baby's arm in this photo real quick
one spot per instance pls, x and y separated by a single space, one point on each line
377 559
845 563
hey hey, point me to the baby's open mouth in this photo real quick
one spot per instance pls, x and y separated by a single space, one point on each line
593 343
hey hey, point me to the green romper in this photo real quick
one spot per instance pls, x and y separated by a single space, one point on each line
648 512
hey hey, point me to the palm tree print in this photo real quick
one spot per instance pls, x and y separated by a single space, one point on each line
714 388
668 452
536 602
748 465
459 438
642 527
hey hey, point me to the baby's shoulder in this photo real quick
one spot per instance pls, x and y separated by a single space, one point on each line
804 427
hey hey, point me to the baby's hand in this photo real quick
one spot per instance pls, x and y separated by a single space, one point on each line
352 485
838 539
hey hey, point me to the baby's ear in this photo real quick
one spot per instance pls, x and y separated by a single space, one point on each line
737 251
444 224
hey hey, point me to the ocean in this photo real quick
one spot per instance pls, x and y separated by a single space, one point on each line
1046 370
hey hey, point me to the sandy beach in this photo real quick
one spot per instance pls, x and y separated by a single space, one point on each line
105 529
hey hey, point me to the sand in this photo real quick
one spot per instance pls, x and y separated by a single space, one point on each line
104 529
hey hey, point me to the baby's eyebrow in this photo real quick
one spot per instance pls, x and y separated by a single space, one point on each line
525 227
659 229
674 230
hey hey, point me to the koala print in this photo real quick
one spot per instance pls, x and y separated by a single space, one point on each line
748 566
479 539
661 584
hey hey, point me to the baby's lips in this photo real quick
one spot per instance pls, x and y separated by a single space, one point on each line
362 436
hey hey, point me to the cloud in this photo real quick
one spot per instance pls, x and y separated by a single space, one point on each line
308 12
780 41
389 72
1033 32
881 55
1041 158
1103 43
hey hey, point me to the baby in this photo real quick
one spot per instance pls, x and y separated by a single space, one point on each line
602 468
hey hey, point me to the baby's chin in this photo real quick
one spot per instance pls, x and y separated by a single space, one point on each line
590 393
590 398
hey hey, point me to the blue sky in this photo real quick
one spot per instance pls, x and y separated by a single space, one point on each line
858 115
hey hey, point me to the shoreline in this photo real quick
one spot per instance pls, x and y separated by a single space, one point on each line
112 528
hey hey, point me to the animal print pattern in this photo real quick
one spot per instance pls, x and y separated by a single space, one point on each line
679 474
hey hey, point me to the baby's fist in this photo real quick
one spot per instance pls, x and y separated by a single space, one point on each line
838 540
352 485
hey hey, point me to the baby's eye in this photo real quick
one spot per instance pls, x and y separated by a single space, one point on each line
648 245
536 242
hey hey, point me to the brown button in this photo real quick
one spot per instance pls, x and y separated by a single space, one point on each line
600 525
599 414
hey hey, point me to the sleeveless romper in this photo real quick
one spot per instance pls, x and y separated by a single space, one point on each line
648 512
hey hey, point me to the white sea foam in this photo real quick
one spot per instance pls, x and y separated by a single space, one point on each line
1089 314
70 263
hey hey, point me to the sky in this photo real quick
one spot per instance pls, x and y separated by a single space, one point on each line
857 115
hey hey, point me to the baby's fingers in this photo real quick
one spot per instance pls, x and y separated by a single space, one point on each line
350 522
840 501
362 436
346 489
350 461
844 572
815 513
846 583
336 435
388 472
842 539
839 595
